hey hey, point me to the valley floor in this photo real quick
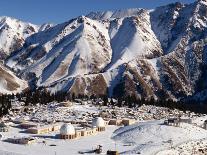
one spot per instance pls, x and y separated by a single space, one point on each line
147 137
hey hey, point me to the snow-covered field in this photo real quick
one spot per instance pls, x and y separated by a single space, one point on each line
148 136
152 136
63 147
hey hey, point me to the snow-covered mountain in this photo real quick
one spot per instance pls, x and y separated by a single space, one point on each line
13 33
147 53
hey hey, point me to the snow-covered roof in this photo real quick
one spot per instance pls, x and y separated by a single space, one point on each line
67 129
98 122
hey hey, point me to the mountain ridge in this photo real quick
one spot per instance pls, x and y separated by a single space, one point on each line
156 53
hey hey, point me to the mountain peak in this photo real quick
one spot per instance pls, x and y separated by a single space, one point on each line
147 53
108 15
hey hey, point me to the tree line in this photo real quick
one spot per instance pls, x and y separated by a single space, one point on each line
44 97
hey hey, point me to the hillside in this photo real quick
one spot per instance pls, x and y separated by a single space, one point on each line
9 83
156 53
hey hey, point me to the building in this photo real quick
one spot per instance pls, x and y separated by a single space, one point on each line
127 122
185 120
99 123
172 122
89 132
116 122
67 131
4 127
27 125
43 129
78 133
24 141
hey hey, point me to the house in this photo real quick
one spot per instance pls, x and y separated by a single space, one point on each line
24 141
172 122
127 122
3 127
43 129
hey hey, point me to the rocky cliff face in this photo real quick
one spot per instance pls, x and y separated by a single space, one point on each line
9 83
159 53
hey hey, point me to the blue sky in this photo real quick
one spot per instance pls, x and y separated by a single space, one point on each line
57 11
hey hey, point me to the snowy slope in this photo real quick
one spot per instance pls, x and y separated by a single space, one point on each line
146 53
85 46
9 83
133 39
13 33
109 15
151 137
77 47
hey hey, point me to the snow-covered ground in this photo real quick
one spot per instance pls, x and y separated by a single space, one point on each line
63 147
148 136
152 136
193 147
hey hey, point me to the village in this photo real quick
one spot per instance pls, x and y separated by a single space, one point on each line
76 121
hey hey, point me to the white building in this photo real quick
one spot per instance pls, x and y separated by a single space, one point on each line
99 123
67 131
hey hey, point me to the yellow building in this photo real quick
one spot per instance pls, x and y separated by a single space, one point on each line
44 129
89 132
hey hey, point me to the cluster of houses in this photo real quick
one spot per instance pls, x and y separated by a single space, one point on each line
72 130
